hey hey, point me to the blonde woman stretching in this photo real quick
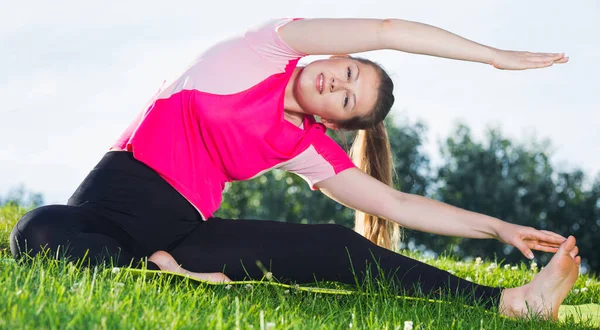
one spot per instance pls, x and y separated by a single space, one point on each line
245 107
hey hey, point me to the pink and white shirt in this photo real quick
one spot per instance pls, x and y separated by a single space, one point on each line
223 120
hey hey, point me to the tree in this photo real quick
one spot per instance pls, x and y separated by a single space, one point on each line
573 210
516 183
500 179
21 196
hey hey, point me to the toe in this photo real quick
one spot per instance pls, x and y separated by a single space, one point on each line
574 252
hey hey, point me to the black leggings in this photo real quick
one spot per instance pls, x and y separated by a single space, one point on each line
124 211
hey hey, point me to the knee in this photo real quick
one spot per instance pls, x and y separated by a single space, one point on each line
36 230
345 236
356 245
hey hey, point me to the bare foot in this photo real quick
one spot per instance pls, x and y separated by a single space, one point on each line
166 262
544 294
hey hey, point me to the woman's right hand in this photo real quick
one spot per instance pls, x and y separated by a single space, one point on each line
516 60
527 238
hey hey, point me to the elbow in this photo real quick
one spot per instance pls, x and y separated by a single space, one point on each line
384 32
401 197
387 23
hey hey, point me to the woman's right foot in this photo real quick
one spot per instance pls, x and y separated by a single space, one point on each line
165 261
546 292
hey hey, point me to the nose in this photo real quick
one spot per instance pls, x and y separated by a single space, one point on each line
337 84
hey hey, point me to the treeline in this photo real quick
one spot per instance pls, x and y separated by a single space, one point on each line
513 181
22 196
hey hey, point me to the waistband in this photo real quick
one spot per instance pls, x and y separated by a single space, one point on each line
123 161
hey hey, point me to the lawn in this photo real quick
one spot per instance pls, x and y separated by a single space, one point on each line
57 295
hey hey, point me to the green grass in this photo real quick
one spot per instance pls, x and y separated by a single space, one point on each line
53 295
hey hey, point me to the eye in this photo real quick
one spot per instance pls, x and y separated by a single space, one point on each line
346 100
349 73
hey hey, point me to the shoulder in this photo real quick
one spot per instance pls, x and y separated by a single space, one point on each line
265 39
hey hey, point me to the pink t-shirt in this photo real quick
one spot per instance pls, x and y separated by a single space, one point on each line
223 120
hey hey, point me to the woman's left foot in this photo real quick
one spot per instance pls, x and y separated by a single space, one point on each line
546 292
166 262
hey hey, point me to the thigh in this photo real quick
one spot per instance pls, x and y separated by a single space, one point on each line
297 252
138 200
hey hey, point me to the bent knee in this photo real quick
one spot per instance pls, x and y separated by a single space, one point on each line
341 231
43 227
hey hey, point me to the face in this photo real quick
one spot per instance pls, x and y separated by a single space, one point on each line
338 88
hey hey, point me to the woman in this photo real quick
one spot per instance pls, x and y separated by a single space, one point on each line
245 107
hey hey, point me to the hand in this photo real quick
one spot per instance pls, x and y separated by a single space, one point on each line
527 238
514 60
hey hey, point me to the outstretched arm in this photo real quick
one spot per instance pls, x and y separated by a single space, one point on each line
347 36
360 191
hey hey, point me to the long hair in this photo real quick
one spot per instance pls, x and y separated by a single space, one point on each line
371 153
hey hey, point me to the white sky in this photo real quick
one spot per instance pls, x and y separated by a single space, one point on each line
75 73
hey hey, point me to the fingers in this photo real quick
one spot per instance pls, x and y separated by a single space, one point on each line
568 245
547 238
546 244
525 250
551 233
543 248
547 241
554 56
562 60
543 60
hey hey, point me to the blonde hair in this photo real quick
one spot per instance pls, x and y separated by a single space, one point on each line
371 152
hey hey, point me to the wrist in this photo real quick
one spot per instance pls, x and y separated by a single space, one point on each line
497 226
491 54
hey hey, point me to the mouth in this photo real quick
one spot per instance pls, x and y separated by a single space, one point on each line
320 83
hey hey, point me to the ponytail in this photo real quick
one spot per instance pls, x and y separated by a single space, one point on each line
371 152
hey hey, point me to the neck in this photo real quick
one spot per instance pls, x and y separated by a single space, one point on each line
290 103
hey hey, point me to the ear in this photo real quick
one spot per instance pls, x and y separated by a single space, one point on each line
339 56
329 124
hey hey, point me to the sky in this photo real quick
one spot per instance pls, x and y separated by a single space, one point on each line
73 74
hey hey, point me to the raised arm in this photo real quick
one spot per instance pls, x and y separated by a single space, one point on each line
346 36
359 191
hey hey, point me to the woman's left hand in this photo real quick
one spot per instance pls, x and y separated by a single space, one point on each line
527 238
515 60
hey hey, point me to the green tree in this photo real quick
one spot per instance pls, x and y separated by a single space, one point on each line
22 196
514 182
575 210
498 178
411 164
